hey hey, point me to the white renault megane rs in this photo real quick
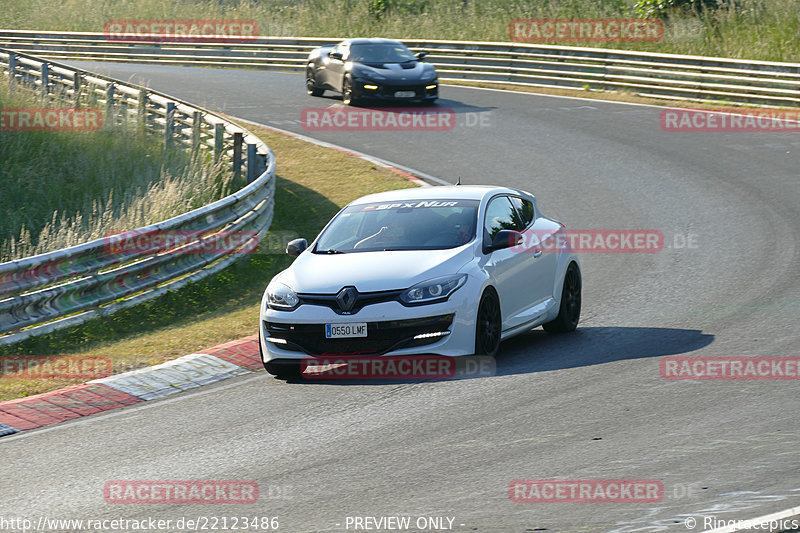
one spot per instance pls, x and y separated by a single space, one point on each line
437 270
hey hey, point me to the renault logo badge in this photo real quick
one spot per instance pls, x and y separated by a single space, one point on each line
347 298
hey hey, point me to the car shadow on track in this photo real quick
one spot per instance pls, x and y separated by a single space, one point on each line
440 105
538 351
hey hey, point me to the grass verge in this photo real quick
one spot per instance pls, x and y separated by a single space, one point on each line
748 29
313 183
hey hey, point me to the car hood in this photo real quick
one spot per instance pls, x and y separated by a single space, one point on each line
371 271
411 70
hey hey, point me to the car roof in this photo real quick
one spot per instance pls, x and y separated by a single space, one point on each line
452 192
373 40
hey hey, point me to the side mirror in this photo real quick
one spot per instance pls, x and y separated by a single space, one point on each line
296 247
335 55
505 238
421 55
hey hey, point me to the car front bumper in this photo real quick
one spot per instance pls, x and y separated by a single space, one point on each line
388 91
445 328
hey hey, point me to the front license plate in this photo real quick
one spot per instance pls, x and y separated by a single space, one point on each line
405 94
345 331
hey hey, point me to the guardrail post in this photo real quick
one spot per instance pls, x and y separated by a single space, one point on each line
219 140
252 164
262 163
12 70
238 138
76 89
141 111
197 121
169 126
110 119
45 88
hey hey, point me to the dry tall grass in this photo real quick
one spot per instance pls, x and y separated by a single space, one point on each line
751 29
58 189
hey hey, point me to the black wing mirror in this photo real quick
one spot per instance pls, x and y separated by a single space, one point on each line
421 55
296 247
335 55
505 238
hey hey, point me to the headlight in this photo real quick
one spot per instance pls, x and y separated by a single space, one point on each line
430 75
433 290
281 297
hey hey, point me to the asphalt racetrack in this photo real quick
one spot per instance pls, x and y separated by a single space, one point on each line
590 405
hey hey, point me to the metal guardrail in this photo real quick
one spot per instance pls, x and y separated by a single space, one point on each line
62 288
648 74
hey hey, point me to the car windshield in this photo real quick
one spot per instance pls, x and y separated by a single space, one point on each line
400 225
380 53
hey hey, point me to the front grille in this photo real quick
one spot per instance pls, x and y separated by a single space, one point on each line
381 338
362 299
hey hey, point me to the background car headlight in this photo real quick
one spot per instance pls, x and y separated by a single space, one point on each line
281 297
432 290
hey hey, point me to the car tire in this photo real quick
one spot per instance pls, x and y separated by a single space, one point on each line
311 84
569 312
488 324
347 92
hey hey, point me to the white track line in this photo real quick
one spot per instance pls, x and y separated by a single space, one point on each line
372 159
742 525
721 111
556 96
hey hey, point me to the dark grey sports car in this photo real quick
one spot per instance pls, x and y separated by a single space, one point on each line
378 69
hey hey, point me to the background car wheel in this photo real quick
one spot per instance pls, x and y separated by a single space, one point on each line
311 84
570 310
488 324
347 92
284 370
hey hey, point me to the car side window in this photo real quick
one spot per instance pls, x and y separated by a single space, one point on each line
524 208
500 214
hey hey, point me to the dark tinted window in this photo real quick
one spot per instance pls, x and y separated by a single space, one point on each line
380 53
524 208
500 214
